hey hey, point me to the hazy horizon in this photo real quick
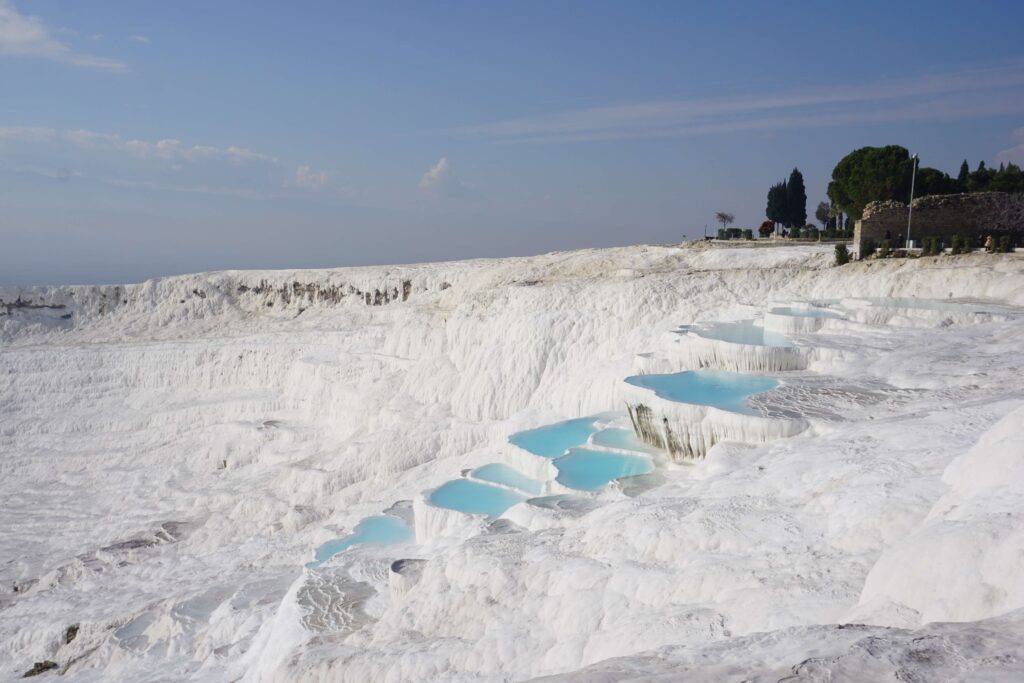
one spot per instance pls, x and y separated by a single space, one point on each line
140 141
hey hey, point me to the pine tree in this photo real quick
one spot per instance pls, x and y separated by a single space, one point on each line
965 172
796 200
981 166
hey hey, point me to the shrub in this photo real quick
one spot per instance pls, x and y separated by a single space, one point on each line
748 234
723 234
842 255
885 250
931 246
795 232
1004 244
868 249
766 229
735 233
957 244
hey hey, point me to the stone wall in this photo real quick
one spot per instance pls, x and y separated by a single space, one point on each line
971 215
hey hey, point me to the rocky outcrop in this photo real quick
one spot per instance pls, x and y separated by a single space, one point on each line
972 215
40 668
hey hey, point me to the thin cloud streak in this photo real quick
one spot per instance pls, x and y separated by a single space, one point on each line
167 148
878 102
936 109
166 164
27 36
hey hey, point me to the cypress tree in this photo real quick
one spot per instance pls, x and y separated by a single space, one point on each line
796 200
981 166
776 210
965 172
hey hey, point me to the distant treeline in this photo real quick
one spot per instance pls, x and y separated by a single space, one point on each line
884 173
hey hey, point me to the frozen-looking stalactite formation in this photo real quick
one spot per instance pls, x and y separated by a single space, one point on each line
172 462
688 431
688 349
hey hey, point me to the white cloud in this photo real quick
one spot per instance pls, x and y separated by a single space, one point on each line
161 164
168 148
138 39
963 94
441 181
27 36
1015 154
306 177
438 174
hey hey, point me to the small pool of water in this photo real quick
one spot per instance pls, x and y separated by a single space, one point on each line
717 388
383 529
584 469
474 497
554 440
508 476
620 438
806 312
743 332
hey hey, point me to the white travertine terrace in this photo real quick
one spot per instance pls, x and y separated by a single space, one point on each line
689 431
174 452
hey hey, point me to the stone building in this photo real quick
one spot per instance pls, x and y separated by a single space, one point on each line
972 215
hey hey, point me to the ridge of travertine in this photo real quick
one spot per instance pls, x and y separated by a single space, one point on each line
172 462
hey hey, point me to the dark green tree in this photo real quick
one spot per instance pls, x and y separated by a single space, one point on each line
776 210
1008 179
981 166
796 200
965 172
933 181
870 174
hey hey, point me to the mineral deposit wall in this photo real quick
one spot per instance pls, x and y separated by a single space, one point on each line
971 215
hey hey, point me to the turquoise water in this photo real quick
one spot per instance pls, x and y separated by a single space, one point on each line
619 438
507 476
554 440
806 312
717 388
382 529
475 498
743 332
586 470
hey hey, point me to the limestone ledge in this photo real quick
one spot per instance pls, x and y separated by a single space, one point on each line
687 431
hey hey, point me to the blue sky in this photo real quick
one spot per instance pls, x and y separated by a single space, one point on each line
140 139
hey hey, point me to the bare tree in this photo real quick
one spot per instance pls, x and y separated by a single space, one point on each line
724 218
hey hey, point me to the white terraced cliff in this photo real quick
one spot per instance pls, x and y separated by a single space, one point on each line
436 472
